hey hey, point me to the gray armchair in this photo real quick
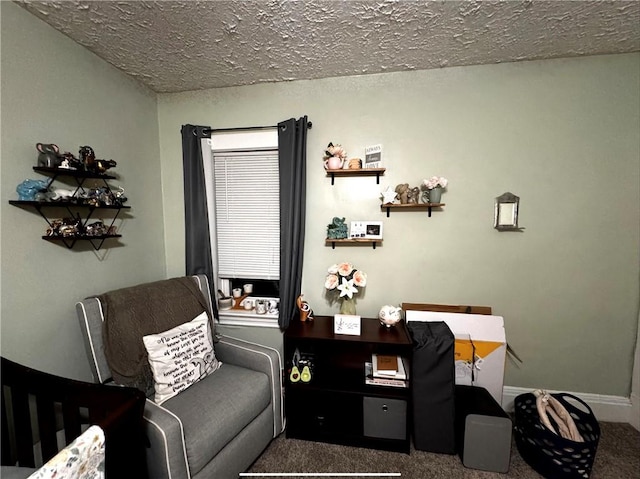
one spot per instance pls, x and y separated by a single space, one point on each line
218 426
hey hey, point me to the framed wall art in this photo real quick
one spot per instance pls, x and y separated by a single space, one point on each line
506 212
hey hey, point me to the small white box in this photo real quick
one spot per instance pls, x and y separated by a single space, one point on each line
346 324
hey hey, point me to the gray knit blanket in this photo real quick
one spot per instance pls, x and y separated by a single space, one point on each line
134 312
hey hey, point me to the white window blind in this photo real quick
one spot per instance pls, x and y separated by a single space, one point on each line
247 214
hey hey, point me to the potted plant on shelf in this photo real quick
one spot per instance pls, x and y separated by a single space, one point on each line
432 189
334 157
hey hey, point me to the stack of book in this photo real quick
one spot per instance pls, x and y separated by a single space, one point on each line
387 370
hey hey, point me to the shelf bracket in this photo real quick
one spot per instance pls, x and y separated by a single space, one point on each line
333 177
333 245
378 178
429 210
388 211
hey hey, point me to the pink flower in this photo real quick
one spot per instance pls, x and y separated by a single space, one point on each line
435 182
335 150
331 282
345 269
360 279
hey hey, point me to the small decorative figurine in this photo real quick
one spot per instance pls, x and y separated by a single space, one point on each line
403 192
413 195
337 229
389 315
29 189
49 155
388 196
70 162
306 313
355 164
91 163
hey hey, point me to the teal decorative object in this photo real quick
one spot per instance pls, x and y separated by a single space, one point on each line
337 229
28 189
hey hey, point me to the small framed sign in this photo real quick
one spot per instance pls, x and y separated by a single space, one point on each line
373 156
366 229
346 324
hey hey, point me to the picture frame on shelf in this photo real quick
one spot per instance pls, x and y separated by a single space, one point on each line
366 230
373 156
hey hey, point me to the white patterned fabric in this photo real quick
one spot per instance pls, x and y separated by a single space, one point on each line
82 459
180 357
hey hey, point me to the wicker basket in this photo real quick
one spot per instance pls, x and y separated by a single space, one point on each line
550 454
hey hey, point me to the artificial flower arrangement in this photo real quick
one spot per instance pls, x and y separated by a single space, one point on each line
435 182
334 156
335 150
432 189
345 280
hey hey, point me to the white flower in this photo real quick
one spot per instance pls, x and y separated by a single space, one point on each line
333 269
347 288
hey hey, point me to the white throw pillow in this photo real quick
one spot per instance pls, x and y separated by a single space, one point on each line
180 357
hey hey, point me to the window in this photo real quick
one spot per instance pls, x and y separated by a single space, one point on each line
244 214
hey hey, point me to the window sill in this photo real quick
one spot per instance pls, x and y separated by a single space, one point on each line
240 318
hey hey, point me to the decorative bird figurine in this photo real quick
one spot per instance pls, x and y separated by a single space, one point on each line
306 313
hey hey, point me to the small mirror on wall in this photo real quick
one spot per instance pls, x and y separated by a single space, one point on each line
506 212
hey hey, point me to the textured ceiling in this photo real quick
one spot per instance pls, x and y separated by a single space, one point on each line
176 46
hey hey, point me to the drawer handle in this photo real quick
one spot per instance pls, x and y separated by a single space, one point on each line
385 408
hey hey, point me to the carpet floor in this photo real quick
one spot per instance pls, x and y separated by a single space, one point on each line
617 457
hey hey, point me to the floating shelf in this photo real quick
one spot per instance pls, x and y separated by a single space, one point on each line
74 206
360 172
73 173
352 242
70 241
411 206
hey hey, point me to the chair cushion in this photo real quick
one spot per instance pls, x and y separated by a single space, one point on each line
214 410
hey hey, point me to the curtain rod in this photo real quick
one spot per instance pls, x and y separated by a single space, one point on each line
208 131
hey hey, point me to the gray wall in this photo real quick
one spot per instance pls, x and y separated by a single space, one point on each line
561 134
54 90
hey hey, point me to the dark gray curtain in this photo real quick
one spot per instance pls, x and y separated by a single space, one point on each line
196 218
292 146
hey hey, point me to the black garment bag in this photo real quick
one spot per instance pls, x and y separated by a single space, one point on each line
433 381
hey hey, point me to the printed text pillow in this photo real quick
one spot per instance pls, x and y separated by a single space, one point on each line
180 357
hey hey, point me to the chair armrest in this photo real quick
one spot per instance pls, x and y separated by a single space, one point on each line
167 455
258 358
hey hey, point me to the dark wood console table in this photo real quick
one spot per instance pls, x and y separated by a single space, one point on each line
336 405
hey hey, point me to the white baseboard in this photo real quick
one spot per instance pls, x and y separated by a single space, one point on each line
605 408
635 411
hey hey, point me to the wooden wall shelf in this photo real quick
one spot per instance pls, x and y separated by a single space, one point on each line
411 206
352 242
360 172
